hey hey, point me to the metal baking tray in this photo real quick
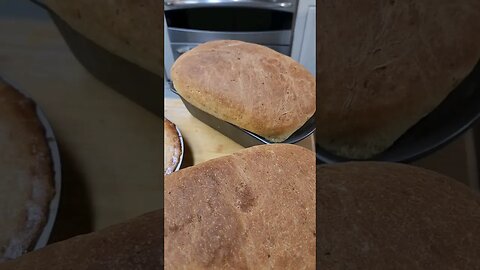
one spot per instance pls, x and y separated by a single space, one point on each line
239 135
134 82
455 115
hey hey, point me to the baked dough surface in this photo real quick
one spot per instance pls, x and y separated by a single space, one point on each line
248 85
251 210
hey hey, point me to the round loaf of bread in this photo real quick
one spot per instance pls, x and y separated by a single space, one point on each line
393 216
384 65
248 85
251 210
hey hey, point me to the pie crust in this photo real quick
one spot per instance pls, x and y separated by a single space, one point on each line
172 147
26 174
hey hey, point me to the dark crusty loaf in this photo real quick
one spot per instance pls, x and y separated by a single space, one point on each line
384 65
392 216
248 85
132 29
134 245
251 210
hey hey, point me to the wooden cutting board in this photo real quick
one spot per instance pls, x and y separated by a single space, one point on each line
203 142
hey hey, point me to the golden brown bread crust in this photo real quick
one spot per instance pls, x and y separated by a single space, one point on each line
251 210
248 85
383 65
171 147
131 29
136 244
393 216
26 174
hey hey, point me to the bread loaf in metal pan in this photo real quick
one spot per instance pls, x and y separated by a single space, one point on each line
248 85
131 29
384 65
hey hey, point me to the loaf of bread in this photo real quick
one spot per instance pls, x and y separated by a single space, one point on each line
251 210
384 65
395 216
248 85
132 29
134 245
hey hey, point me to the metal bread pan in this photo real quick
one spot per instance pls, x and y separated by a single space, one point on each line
134 82
239 135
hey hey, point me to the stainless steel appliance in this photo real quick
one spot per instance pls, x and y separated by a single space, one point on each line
266 22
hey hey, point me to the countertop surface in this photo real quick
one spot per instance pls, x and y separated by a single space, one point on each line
202 142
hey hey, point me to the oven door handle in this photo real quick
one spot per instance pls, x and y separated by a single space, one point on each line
174 4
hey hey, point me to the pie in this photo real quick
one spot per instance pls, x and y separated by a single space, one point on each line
26 174
172 147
